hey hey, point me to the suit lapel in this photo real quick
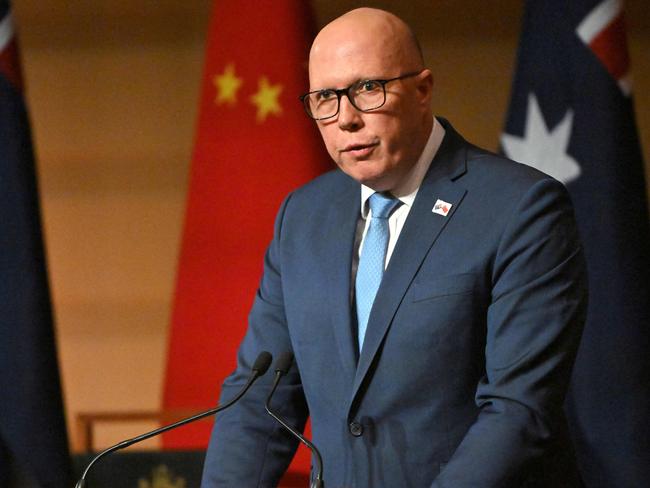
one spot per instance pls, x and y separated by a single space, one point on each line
341 224
420 231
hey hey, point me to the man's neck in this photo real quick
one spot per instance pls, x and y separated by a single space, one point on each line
411 182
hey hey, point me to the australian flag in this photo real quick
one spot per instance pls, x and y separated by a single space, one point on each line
33 443
572 116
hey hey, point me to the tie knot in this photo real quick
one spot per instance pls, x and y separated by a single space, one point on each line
382 205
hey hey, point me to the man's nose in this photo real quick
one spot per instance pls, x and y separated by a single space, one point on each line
349 117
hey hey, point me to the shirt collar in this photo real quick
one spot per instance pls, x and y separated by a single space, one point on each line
408 189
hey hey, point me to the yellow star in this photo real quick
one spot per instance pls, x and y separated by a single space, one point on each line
227 85
266 99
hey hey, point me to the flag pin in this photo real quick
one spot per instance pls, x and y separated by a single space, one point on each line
441 208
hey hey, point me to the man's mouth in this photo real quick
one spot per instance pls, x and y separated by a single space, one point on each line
359 150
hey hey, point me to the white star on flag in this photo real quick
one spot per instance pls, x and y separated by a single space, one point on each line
541 148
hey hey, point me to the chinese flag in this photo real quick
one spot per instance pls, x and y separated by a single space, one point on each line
253 145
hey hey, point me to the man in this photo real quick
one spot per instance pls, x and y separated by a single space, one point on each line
451 369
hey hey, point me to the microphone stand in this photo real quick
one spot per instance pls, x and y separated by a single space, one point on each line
282 368
262 363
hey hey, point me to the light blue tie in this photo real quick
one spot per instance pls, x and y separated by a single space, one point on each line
371 261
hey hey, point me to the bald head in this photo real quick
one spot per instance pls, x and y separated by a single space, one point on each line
371 30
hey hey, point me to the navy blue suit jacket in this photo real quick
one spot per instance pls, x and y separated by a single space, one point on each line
469 345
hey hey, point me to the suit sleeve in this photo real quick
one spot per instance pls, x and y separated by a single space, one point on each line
247 447
535 319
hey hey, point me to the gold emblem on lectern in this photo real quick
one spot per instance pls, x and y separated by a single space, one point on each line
161 477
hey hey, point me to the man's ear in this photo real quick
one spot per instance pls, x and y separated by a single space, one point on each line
424 88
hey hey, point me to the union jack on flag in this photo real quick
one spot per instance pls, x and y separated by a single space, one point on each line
9 67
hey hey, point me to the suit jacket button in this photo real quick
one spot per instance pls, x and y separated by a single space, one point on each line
356 429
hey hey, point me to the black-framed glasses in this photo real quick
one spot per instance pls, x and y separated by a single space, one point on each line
364 95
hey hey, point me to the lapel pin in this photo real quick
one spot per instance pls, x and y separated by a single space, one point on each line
441 208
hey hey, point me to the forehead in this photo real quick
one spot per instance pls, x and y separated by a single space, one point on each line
336 62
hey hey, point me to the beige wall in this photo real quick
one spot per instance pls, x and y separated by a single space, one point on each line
113 90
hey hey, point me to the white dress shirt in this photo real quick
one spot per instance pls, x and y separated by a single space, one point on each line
405 192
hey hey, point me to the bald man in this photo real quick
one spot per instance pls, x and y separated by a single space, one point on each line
433 295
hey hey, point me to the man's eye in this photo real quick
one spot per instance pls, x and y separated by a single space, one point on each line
369 85
324 95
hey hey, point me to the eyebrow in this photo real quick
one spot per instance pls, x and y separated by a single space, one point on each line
358 80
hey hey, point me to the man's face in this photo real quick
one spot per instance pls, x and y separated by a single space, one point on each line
375 148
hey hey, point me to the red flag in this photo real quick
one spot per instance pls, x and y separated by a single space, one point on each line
254 144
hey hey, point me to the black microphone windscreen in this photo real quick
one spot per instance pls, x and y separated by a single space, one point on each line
283 363
262 362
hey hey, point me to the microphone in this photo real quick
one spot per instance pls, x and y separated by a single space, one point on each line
260 367
282 366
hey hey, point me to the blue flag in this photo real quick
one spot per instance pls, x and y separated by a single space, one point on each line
33 443
571 115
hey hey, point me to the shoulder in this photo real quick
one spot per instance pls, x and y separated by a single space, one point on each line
484 171
498 178
499 191
324 190
331 183
491 167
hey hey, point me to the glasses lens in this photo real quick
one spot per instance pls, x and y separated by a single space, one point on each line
368 95
322 104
